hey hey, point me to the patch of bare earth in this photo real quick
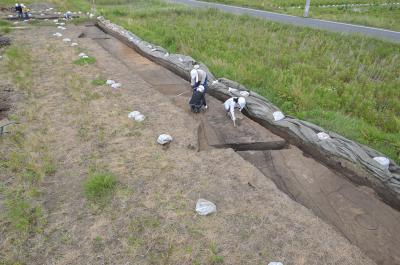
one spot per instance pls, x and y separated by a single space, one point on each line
151 218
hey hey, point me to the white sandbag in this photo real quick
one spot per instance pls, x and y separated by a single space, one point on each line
204 207
140 117
164 139
232 90
382 161
244 93
116 85
66 40
278 116
110 82
133 114
323 136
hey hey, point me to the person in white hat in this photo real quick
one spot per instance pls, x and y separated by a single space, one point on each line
198 77
234 103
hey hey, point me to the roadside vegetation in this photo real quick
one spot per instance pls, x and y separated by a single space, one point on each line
382 14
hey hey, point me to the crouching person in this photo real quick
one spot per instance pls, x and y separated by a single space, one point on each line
234 103
198 100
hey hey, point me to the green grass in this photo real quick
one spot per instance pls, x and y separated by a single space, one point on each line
377 16
85 61
307 73
23 217
99 82
19 65
99 187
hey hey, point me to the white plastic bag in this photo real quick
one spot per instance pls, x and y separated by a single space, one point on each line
323 136
164 139
382 161
110 82
116 85
278 116
133 114
244 93
140 117
204 207
82 54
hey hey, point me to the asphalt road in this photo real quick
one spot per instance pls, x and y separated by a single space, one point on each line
299 21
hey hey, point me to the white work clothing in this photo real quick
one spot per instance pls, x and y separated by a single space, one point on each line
197 75
230 106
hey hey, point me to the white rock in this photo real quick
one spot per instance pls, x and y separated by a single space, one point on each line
214 82
153 50
164 139
10 16
62 23
57 34
382 161
66 40
278 116
166 55
116 85
110 82
61 27
82 54
323 136
149 46
74 44
16 22
275 263
85 57
180 59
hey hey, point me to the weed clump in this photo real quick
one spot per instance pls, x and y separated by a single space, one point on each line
85 61
99 82
99 187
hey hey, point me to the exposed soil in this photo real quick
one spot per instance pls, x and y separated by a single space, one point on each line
151 218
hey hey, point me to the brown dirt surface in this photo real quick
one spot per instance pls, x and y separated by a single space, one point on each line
151 218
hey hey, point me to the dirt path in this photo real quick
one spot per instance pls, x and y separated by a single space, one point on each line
151 218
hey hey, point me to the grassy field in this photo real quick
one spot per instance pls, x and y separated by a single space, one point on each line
347 84
382 16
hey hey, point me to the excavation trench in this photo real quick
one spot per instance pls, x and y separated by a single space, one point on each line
355 211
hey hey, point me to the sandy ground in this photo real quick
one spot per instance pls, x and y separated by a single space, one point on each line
151 218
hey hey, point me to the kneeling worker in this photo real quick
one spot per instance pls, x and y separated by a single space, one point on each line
231 104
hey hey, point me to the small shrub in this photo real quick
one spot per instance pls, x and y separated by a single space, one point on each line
99 82
99 187
85 61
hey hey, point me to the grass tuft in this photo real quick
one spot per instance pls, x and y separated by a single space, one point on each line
99 82
85 61
99 187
